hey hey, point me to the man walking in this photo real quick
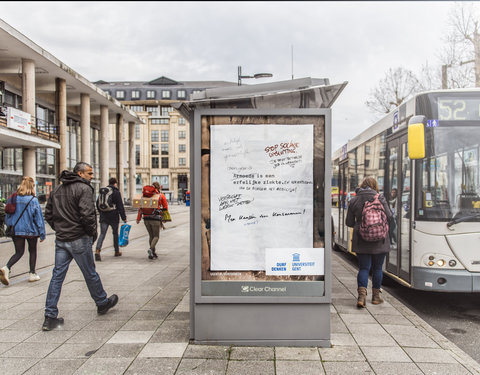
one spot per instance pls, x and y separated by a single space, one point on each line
70 211
110 206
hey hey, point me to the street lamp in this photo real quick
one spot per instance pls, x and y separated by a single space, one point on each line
258 75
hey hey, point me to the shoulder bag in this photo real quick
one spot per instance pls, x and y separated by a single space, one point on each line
10 232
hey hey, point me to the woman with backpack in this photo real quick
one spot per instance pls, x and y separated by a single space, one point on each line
28 223
368 214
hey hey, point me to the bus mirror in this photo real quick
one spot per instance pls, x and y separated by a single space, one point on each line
416 137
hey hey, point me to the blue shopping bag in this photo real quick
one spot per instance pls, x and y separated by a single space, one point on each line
124 232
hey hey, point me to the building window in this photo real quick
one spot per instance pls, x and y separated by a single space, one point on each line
164 148
181 94
367 150
120 94
155 162
155 149
137 154
137 131
182 134
381 164
181 121
367 163
136 108
196 91
135 94
160 121
152 109
155 135
150 94
163 181
164 162
182 148
166 94
164 111
164 136
182 161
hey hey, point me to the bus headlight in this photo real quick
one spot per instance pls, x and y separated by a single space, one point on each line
452 263
441 262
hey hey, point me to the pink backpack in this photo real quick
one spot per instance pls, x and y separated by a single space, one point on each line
374 225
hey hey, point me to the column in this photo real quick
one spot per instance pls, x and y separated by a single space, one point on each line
28 105
119 148
104 154
85 127
61 118
131 161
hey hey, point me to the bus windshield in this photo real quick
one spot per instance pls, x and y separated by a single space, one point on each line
447 180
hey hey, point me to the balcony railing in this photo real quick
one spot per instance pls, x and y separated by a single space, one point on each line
39 128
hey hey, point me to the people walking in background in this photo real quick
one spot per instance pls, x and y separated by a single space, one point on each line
370 254
152 217
70 211
110 206
28 225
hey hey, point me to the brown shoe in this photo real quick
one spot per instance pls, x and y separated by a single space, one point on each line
118 253
362 297
376 299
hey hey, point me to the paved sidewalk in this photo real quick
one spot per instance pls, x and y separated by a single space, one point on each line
148 331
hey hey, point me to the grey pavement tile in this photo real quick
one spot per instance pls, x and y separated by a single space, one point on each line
141 325
175 315
15 335
296 354
382 368
443 369
163 350
393 319
30 350
347 368
428 355
364 339
350 319
255 353
7 323
4 346
55 366
342 353
74 351
385 354
91 337
118 351
207 351
104 325
52 337
12 314
377 310
130 337
299 367
16 366
172 331
250 367
417 340
399 328
117 314
368 328
191 366
337 325
342 339
153 366
150 315
104 366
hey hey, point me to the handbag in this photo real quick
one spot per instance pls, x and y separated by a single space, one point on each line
10 232
166 215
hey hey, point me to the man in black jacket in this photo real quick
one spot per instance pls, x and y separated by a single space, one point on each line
70 211
109 217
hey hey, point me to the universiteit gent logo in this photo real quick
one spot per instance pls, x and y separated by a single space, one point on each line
296 257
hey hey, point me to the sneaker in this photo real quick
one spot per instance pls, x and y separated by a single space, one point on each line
155 256
112 301
118 253
33 277
150 254
51 323
5 275
98 258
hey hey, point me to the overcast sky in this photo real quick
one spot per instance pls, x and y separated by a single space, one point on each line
343 41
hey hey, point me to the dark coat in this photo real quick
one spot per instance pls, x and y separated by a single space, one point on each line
111 217
70 208
354 218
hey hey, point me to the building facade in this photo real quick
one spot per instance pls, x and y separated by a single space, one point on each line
162 145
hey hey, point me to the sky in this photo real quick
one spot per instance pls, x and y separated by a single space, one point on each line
196 41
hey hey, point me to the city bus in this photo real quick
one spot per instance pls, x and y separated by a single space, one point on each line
435 197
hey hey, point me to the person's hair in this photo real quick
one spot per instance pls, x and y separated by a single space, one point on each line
112 181
81 166
157 185
27 187
369 182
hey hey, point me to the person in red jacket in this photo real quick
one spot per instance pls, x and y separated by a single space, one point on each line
152 218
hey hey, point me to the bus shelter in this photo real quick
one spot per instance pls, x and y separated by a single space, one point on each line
260 195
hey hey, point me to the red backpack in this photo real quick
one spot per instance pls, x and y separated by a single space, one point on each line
11 205
374 225
149 191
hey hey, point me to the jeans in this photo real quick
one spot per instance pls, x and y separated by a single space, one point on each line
81 251
103 233
367 261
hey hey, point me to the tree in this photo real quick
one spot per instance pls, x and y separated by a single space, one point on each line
398 85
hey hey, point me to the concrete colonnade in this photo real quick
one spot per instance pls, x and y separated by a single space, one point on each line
28 105
131 161
120 131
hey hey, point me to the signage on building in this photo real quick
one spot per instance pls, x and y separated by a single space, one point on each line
19 120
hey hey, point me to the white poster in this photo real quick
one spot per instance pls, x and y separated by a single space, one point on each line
261 186
18 120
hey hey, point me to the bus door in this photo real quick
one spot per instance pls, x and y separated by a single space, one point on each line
342 204
398 195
